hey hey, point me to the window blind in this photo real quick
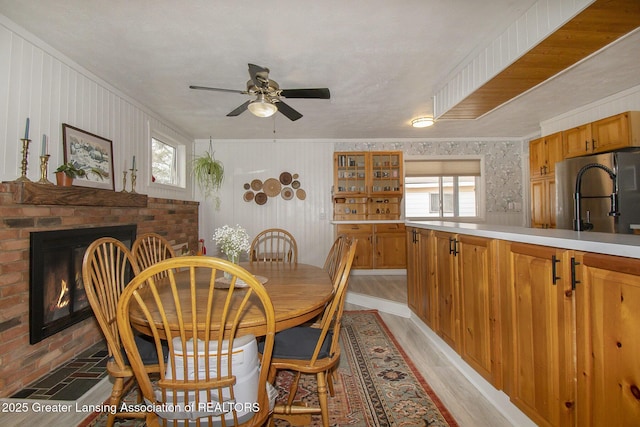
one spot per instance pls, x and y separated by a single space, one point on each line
466 167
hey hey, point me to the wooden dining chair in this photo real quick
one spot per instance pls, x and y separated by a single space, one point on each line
107 267
274 245
334 256
150 248
199 381
313 350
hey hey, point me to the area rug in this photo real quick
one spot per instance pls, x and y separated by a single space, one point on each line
376 384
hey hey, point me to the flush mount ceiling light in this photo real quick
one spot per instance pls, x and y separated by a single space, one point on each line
422 122
261 107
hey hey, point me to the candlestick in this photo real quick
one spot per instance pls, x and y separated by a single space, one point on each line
25 153
124 182
44 163
44 145
133 177
133 165
26 130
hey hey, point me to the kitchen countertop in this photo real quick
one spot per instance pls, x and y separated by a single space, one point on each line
627 245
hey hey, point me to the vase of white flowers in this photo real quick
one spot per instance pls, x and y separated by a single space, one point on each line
232 241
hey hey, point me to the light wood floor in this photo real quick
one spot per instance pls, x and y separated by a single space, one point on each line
467 405
465 402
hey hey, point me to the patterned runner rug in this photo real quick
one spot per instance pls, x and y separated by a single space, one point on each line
376 385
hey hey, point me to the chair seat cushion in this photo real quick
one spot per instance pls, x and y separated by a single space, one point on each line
299 343
147 350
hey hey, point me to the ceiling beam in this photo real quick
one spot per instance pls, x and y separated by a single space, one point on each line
597 26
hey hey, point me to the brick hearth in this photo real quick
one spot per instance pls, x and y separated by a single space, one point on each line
20 362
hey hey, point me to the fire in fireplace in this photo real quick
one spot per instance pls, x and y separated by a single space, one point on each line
56 292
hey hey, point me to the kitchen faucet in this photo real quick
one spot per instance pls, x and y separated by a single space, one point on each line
578 224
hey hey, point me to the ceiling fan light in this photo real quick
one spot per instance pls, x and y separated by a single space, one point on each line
422 122
262 108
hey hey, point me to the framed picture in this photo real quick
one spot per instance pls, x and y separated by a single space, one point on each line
91 153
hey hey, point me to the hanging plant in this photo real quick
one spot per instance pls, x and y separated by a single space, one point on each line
208 173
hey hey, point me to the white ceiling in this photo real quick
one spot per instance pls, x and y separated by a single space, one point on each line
382 60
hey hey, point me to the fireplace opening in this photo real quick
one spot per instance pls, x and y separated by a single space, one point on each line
57 298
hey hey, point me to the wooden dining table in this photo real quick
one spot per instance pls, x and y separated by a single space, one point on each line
298 292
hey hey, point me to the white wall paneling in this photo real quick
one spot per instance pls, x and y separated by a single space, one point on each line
308 220
38 82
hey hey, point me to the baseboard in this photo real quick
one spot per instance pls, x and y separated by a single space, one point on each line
380 272
498 398
380 304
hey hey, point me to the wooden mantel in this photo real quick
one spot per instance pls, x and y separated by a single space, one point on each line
39 194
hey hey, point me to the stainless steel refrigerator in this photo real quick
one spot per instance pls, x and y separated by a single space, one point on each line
609 196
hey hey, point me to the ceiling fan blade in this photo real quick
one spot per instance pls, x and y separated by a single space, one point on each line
289 112
216 89
239 110
259 75
319 93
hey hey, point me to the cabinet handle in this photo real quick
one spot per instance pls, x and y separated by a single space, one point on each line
574 281
593 144
415 236
453 246
541 172
586 145
554 277
635 391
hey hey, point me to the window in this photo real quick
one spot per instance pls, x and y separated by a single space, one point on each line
167 161
439 189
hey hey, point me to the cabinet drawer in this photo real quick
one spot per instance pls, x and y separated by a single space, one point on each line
389 228
355 228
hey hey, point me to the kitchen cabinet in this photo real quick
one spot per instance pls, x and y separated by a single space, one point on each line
367 185
543 202
608 134
539 368
479 345
421 285
544 153
447 297
608 321
380 246
364 248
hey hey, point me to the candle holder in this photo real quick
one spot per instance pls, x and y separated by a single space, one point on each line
133 180
124 182
44 164
23 167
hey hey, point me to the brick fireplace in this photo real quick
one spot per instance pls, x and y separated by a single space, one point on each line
27 208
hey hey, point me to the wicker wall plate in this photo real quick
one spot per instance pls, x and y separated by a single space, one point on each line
261 198
285 178
301 194
247 186
256 185
272 187
248 196
295 184
287 193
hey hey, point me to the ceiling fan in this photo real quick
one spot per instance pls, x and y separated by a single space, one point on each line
268 94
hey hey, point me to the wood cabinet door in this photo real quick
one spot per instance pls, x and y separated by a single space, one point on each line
537 157
554 151
608 341
476 282
543 203
426 243
610 133
543 370
445 276
414 288
577 141
390 250
363 258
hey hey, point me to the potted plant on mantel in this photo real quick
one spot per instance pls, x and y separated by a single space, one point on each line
66 172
